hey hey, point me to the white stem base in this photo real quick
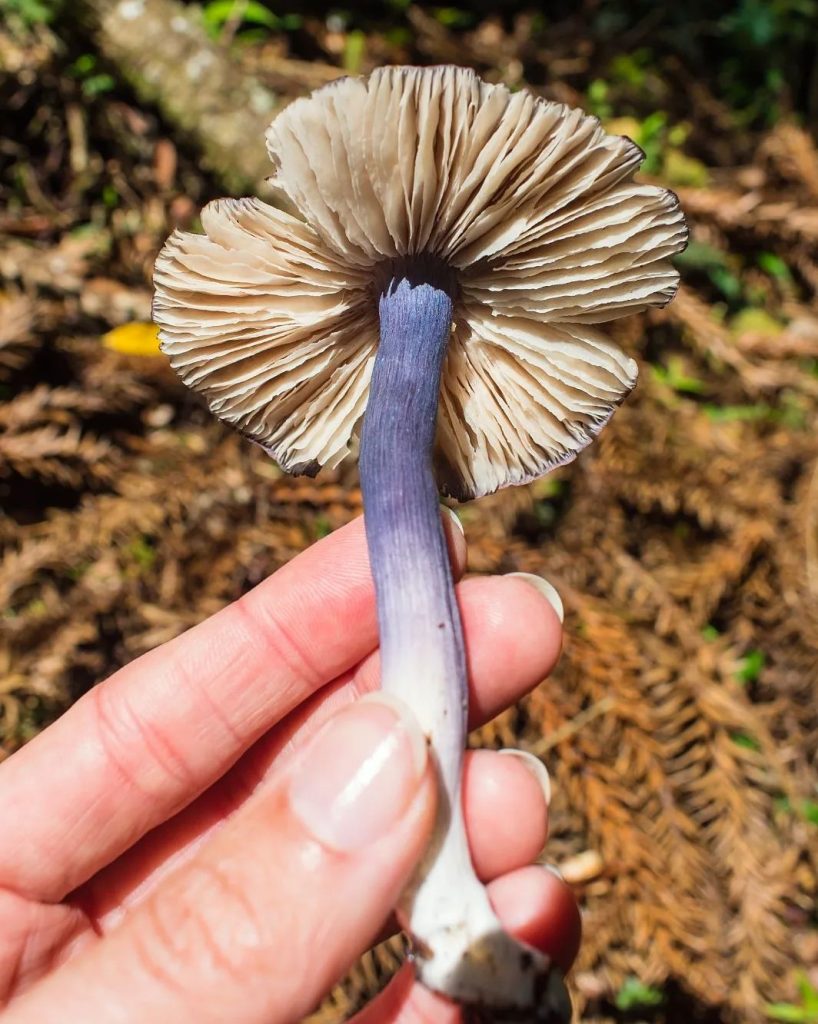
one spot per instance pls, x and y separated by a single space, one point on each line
462 951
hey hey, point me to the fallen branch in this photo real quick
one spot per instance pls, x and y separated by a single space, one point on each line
163 51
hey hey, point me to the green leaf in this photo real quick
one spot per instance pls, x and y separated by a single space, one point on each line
453 17
806 1013
631 68
701 256
354 50
674 376
110 196
97 85
680 169
787 1012
654 125
399 36
31 12
651 138
713 262
142 552
597 96
737 413
808 993
726 282
634 994
750 666
809 809
84 64
754 19
755 321
710 633
321 527
36 607
774 266
217 13
745 740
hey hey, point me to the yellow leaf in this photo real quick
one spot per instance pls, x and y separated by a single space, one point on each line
680 169
624 126
755 321
135 339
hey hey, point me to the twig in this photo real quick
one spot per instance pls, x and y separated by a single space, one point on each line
572 727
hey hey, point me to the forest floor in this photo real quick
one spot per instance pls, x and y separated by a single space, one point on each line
681 727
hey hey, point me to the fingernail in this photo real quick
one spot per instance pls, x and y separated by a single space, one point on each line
554 870
454 518
359 774
545 588
535 766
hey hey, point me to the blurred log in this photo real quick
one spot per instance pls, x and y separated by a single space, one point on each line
163 51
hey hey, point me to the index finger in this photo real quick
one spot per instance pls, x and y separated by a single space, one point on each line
137 748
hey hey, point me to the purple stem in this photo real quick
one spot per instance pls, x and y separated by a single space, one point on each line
460 946
420 633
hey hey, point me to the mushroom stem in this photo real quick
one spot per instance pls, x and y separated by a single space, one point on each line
460 947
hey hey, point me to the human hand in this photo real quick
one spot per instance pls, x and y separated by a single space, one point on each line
220 829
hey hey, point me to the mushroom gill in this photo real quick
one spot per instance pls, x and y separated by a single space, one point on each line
440 299
530 203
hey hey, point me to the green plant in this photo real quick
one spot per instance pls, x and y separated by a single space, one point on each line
715 264
142 552
774 266
674 375
757 37
93 82
597 99
738 413
744 739
218 13
631 68
321 527
354 50
634 995
750 666
31 12
652 139
453 17
805 1013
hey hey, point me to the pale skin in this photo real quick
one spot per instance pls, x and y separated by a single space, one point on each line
161 853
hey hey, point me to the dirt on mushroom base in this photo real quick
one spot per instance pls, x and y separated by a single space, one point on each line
682 726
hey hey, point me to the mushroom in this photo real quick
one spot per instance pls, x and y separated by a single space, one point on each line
440 300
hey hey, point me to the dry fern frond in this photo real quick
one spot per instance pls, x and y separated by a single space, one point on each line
66 457
795 156
16 340
43 404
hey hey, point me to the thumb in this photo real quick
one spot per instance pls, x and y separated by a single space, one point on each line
269 913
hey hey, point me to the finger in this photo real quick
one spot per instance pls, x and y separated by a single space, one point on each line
539 908
505 799
514 638
506 813
274 908
142 745
533 904
506 820
513 635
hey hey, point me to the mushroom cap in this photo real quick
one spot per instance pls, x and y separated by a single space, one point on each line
275 319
